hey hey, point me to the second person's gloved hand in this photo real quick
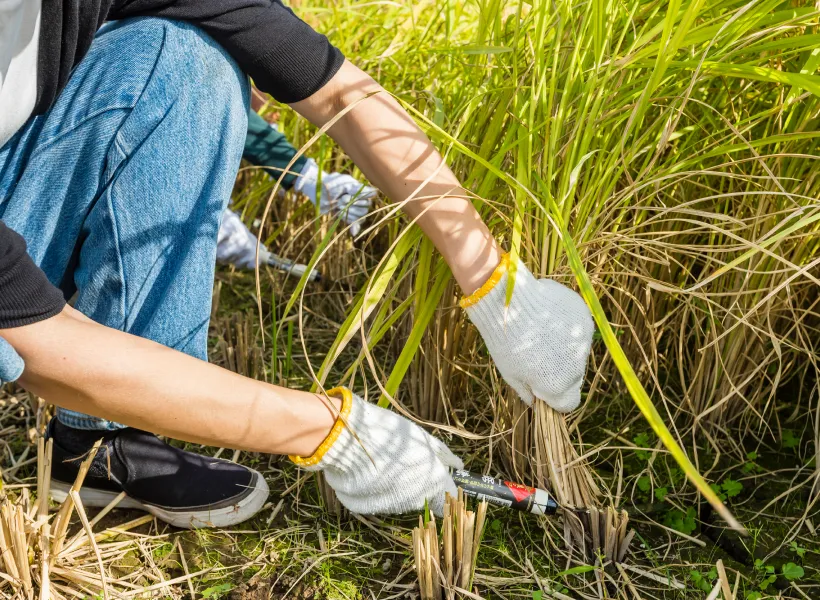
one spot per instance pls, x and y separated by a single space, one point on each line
393 466
341 194
236 245
541 342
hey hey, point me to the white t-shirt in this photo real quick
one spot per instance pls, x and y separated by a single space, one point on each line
19 36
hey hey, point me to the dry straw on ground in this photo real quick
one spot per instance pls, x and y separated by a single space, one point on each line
40 559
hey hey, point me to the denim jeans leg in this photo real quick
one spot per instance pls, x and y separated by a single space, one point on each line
119 189
11 365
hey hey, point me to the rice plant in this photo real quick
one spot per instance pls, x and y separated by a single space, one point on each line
660 156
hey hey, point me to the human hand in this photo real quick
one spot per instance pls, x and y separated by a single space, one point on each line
341 194
541 342
236 245
391 466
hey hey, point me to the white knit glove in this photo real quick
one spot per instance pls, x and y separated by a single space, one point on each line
340 194
236 245
392 468
541 343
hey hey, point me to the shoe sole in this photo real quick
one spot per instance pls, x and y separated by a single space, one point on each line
226 516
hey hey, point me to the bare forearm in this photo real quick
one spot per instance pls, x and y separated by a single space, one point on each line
391 150
80 365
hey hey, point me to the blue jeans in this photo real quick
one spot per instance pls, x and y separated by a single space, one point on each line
119 189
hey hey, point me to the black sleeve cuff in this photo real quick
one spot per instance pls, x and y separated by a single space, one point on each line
283 55
311 69
26 295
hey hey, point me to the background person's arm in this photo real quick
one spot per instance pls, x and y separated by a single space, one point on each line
81 365
397 157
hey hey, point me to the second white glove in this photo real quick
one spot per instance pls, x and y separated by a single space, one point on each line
541 342
393 466
236 245
341 194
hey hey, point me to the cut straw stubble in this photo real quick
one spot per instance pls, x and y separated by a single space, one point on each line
445 566
331 502
63 518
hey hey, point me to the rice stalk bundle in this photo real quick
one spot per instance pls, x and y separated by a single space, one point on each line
557 462
536 445
559 468
587 524
445 563
37 557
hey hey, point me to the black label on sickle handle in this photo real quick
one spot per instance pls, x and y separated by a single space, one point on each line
505 493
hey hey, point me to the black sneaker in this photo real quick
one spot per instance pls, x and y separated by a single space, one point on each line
181 488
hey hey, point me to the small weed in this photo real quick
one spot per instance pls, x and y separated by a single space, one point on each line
766 573
750 466
644 483
703 581
162 552
797 549
792 571
680 521
728 488
789 440
642 440
217 591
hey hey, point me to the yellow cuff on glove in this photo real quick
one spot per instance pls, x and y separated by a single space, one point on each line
485 289
346 396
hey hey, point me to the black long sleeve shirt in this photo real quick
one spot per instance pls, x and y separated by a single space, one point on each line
285 57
